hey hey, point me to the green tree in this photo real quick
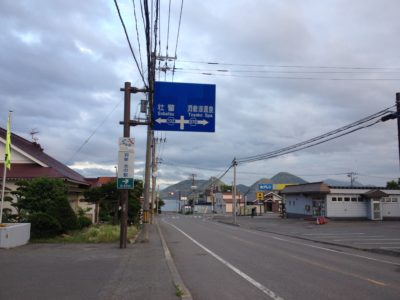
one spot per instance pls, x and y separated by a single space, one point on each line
394 185
107 198
45 196
226 188
161 203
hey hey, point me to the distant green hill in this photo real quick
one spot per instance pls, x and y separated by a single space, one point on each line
185 187
284 177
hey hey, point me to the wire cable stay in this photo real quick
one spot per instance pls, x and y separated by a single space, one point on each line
129 43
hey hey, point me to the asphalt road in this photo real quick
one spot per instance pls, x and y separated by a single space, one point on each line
86 272
219 261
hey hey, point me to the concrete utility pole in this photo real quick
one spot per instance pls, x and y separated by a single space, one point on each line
194 188
153 179
150 137
234 163
352 178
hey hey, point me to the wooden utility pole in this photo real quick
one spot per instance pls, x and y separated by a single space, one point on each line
398 121
125 193
234 163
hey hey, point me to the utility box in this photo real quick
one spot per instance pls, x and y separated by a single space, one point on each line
14 235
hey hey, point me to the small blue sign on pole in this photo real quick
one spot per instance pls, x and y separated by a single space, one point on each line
184 107
265 187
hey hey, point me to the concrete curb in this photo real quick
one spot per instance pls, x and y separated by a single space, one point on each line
176 278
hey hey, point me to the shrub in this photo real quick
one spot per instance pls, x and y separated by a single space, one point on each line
46 196
83 222
44 226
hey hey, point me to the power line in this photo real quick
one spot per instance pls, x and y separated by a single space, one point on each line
192 166
177 39
280 153
159 45
289 77
129 42
148 38
332 132
319 139
137 34
291 66
169 18
94 132
290 71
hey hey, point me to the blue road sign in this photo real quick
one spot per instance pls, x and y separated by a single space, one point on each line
265 187
184 107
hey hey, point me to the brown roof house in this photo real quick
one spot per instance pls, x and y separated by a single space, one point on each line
29 161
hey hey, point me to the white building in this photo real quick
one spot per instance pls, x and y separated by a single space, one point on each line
319 199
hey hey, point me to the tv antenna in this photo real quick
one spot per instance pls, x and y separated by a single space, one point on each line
32 133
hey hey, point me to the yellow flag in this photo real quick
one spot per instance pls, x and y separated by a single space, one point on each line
8 144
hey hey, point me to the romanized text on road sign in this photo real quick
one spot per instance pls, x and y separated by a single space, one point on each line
265 187
184 107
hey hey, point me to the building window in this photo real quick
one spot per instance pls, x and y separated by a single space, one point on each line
394 200
347 199
387 199
294 202
290 202
334 199
339 199
360 199
353 199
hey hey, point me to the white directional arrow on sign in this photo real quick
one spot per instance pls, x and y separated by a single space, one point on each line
181 121
160 121
202 122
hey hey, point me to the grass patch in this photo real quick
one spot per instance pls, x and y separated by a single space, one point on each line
178 291
93 234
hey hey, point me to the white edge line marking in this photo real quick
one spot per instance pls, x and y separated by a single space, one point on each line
258 285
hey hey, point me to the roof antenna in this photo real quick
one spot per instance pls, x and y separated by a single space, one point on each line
32 133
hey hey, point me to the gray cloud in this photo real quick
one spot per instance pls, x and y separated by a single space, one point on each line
62 65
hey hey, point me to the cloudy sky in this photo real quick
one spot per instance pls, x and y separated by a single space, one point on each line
62 64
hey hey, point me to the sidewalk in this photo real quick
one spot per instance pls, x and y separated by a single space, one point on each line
374 236
87 271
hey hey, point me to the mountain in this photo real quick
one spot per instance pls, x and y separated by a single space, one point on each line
185 187
242 188
284 177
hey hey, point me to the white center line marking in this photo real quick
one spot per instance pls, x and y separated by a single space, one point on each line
258 285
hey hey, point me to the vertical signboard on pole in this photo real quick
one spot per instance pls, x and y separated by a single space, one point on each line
126 156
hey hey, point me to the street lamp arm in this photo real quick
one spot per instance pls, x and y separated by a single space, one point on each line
392 115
